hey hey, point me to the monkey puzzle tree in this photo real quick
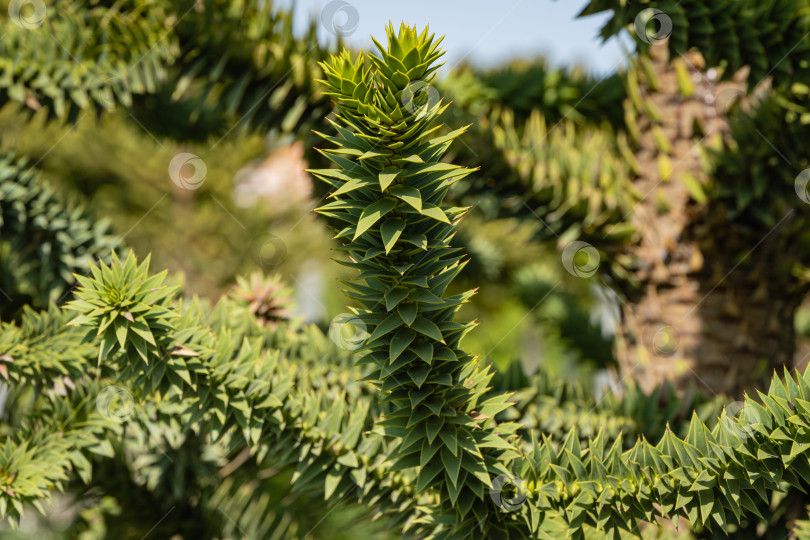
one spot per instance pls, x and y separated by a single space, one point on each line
390 184
180 61
389 191
720 255
422 447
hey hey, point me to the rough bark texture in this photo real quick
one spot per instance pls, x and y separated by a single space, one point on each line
705 314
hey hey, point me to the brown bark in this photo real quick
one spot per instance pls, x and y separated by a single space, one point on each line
723 339
701 316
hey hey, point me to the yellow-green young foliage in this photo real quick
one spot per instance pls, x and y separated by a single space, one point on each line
216 376
576 180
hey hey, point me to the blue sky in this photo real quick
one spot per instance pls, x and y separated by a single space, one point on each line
482 32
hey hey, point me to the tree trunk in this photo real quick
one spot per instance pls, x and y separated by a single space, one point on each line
723 337
701 315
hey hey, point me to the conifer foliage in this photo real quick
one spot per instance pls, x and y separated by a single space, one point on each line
388 191
427 445
43 239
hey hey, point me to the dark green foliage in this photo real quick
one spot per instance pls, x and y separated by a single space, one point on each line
771 36
557 94
546 406
761 182
43 240
286 393
711 477
756 172
176 65
708 476
239 68
86 56
276 401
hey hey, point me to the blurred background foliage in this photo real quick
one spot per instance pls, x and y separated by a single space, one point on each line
119 171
